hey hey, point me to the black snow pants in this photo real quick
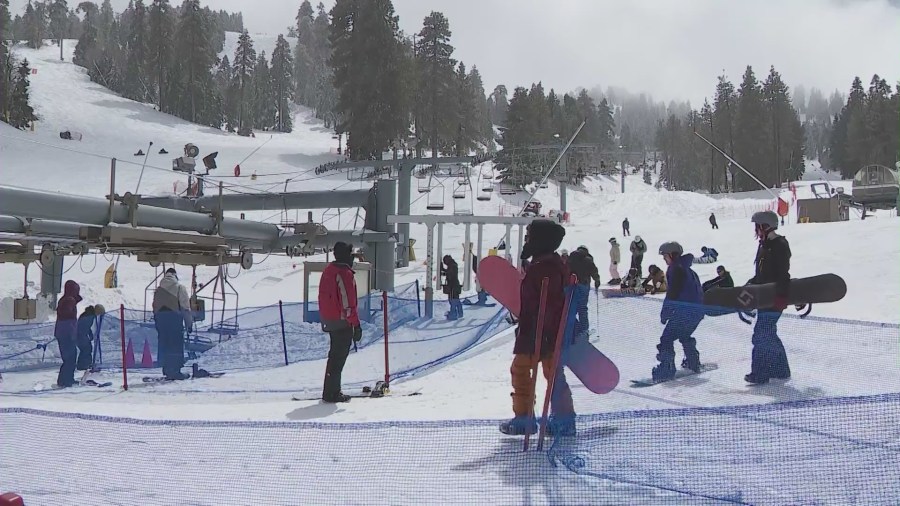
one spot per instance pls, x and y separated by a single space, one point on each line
341 340
69 354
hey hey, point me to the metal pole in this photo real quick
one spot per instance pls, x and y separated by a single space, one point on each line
479 254
283 335
112 190
387 366
732 160
550 171
440 246
122 333
467 252
519 247
429 268
562 184
506 241
403 204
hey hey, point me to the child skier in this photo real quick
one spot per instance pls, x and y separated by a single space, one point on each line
84 336
544 237
681 313
452 287
773 263
709 256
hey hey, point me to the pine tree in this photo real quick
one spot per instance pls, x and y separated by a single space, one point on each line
858 142
21 115
751 134
137 52
282 82
262 99
605 126
367 58
228 90
161 35
88 48
500 105
244 61
201 101
35 24
785 138
708 120
59 22
304 69
6 66
437 106
881 124
724 116
484 130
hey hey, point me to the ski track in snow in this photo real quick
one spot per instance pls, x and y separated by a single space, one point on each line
828 358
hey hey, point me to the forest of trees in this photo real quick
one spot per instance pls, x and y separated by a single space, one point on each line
14 97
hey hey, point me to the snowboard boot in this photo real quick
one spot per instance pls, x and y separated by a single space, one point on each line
691 359
482 298
665 371
561 426
756 379
519 426
459 308
339 397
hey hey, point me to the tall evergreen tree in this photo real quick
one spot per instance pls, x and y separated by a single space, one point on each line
244 61
35 24
21 115
436 90
750 134
88 48
785 131
137 52
58 12
367 59
161 35
605 126
500 105
228 90
282 83
6 65
262 99
724 116
201 101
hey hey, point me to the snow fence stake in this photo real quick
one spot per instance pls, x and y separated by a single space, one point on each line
283 338
122 333
556 361
384 311
419 297
538 340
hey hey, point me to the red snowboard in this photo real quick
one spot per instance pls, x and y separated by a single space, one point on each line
595 370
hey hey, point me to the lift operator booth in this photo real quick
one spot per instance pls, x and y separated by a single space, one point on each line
363 289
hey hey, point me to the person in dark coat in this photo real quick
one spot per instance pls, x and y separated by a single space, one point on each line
582 265
65 332
773 264
626 227
542 241
85 336
681 312
712 221
722 280
638 247
338 302
452 287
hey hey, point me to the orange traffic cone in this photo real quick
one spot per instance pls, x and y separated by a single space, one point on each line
129 354
147 356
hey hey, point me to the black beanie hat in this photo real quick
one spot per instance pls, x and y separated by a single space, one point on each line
343 252
544 236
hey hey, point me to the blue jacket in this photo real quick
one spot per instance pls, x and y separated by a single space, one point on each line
83 332
711 253
684 287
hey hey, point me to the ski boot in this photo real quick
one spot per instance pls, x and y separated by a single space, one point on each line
339 397
519 426
692 363
561 426
665 371
756 379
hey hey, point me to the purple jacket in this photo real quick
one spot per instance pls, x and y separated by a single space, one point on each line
67 311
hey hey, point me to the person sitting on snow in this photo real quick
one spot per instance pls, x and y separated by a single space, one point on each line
722 280
656 281
709 256
632 280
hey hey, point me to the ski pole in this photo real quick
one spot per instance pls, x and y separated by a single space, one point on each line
538 339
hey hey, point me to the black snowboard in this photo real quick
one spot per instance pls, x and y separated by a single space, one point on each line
812 290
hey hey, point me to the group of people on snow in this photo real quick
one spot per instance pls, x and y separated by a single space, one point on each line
74 334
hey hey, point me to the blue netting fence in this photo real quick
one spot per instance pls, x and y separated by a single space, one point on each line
829 435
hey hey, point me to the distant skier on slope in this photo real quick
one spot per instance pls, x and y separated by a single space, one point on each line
542 240
615 256
710 255
338 301
681 313
773 263
712 221
626 227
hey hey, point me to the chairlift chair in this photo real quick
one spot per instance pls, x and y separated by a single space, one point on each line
435 199
424 185
460 192
462 207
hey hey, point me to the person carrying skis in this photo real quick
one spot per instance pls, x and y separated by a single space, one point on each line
581 264
681 313
172 315
338 313
544 237
626 227
712 221
773 263
452 287
65 332
656 281
638 247
85 336
722 280
615 256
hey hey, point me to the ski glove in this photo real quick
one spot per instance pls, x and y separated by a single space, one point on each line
596 285
357 334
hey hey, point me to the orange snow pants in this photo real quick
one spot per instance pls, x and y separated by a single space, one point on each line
523 393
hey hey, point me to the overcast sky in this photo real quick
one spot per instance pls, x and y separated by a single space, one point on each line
672 49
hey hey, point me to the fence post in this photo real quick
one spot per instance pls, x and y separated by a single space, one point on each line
122 332
419 297
283 338
387 368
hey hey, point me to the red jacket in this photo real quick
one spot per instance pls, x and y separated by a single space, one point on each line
337 295
67 311
545 266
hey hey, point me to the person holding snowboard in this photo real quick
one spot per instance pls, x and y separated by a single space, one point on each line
338 312
626 227
452 287
65 332
85 336
544 237
656 281
722 280
712 221
638 247
615 256
581 264
172 315
773 263
681 313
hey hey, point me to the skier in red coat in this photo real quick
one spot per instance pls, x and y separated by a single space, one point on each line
339 317
65 332
541 242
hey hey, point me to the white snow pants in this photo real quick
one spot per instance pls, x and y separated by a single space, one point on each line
614 271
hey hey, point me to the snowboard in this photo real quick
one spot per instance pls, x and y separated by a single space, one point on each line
681 373
360 395
594 369
612 293
88 383
812 290
705 260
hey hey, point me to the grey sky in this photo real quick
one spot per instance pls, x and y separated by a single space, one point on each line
672 49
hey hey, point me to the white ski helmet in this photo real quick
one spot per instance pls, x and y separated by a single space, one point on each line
765 218
671 248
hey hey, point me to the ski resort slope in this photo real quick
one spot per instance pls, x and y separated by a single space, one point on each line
458 458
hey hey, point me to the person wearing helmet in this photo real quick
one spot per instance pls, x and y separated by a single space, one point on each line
615 256
581 264
638 248
681 312
773 263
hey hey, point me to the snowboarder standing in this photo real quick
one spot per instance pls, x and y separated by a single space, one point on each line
773 263
65 332
681 313
638 247
338 312
172 315
452 287
722 280
84 336
544 237
626 227
615 256
581 264
712 221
